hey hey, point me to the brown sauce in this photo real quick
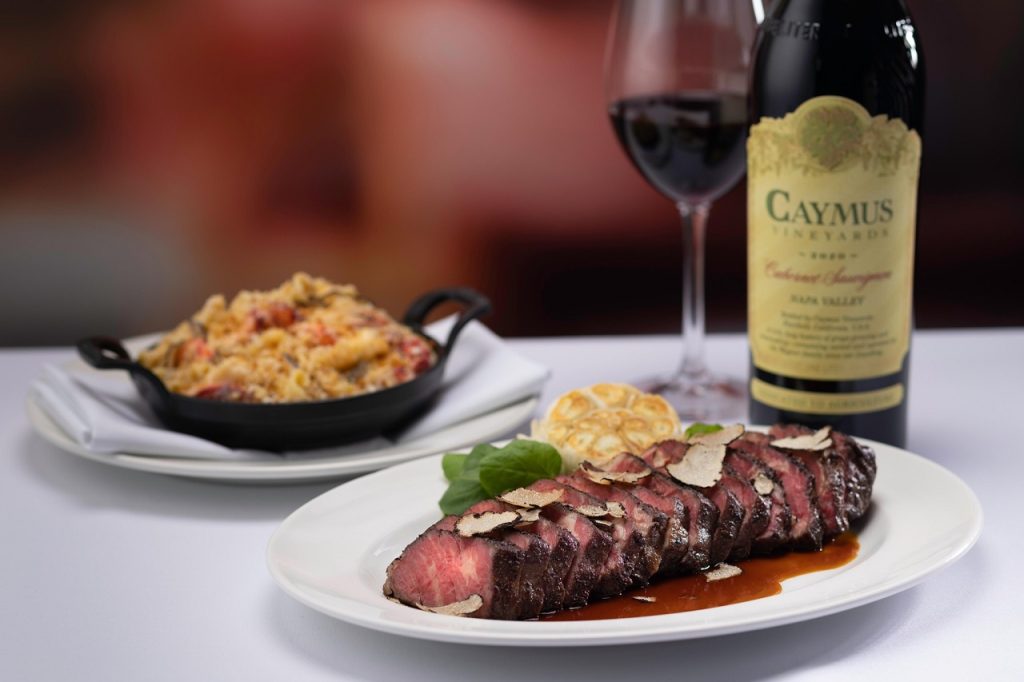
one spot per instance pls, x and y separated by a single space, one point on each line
761 577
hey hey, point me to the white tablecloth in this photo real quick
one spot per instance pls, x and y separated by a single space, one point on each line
109 574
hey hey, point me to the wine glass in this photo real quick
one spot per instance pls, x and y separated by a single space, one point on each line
676 84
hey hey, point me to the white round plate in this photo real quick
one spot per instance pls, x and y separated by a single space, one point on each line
298 468
295 468
331 555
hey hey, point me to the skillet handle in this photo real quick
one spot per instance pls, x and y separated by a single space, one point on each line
477 305
104 352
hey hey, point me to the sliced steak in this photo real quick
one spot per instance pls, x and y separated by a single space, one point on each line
829 470
440 567
565 559
798 483
593 548
536 552
640 518
730 509
776 534
701 512
756 511
627 542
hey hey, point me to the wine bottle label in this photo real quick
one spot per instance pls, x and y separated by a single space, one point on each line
810 402
831 218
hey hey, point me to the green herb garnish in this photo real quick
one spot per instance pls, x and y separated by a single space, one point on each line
699 429
488 471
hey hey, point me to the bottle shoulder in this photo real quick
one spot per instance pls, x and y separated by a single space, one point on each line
841 12
866 51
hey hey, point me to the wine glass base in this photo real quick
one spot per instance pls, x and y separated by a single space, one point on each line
705 398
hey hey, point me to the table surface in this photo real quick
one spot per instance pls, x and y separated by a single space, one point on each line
111 574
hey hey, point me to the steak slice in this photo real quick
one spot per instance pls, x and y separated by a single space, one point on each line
593 549
860 473
730 518
525 597
776 534
640 518
440 567
627 542
562 547
730 510
537 553
756 511
701 512
796 480
676 544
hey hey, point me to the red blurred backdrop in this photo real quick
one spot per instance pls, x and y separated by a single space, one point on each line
154 152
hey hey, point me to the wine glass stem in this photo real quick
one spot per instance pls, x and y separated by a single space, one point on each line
695 219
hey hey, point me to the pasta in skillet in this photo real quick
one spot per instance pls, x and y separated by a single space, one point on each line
307 340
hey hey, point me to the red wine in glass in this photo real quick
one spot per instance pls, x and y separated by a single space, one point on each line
689 146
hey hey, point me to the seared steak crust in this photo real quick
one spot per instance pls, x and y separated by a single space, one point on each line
776 533
860 473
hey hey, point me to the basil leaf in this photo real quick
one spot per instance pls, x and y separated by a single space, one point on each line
476 455
456 465
699 429
452 465
462 494
487 471
463 474
518 464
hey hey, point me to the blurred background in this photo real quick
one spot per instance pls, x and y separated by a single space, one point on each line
155 151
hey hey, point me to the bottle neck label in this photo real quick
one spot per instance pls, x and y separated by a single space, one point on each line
832 209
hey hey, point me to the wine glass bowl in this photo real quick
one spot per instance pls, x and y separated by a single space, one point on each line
676 87
688 145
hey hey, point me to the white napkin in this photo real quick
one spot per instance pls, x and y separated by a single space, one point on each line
102 412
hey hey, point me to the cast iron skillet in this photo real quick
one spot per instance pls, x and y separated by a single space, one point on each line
296 426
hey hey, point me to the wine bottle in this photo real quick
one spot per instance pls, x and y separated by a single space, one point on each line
833 160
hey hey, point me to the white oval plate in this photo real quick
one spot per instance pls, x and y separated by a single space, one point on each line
331 555
297 468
